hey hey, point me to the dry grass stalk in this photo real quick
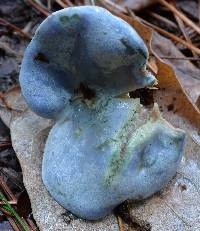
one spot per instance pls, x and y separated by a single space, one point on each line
171 36
38 7
68 2
180 15
14 27
163 19
61 3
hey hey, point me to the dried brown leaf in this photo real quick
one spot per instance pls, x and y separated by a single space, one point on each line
176 105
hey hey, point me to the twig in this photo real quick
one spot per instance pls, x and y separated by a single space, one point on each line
163 19
49 5
18 223
199 10
181 218
38 7
158 29
166 33
180 15
181 58
5 212
4 102
39 2
152 68
6 189
171 36
182 29
92 2
68 2
2 171
13 224
16 28
193 35
191 32
9 51
112 4
12 211
27 27
198 102
5 145
62 4
120 224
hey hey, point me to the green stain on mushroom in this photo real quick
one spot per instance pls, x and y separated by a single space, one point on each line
118 158
62 194
68 21
129 139
141 163
105 143
78 132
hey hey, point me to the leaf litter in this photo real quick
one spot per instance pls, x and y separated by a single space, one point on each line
175 207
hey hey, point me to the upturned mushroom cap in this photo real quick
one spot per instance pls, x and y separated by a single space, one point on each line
81 45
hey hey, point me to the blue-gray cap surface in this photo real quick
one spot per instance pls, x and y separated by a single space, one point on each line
81 45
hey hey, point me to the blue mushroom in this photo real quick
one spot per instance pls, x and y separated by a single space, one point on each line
81 45
103 148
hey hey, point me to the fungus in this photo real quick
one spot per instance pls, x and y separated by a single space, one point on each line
103 148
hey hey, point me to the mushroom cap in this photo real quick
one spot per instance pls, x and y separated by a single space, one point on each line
81 45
